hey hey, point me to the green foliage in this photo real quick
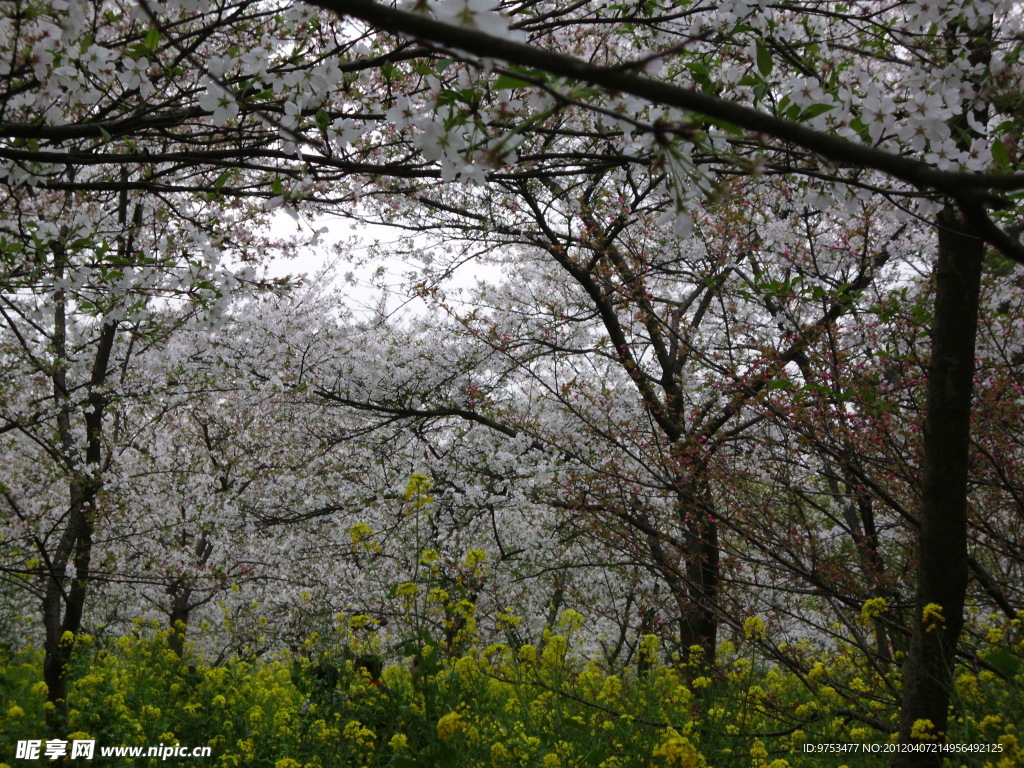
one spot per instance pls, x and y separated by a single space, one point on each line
503 707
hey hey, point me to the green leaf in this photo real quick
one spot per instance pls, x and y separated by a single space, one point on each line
447 97
534 74
1005 662
730 128
153 38
1001 154
323 120
222 180
277 187
858 125
814 110
764 59
508 83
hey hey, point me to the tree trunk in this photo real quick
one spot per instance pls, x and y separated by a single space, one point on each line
75 547
63 604
699 620
942 544
178 618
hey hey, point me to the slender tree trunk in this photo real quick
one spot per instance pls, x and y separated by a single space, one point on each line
63 603
942 546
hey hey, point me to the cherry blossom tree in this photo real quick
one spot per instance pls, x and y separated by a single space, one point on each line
140 171
906 102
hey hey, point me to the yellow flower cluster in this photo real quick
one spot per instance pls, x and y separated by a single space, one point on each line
449 725
504 706
932 618
924 730
676 751
754 628
873 609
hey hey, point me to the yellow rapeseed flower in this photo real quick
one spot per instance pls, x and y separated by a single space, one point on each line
923 729
449 724
570 621
967 685
418 489
754 628
678 752
932 618
358 733
555 650
648 648
990 722
873 608
499 755
508 620
359 531
758 751
408 589
474 557
399 742
611 690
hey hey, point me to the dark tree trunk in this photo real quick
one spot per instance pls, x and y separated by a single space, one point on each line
178 618
63 603
75 547
942 546
699 618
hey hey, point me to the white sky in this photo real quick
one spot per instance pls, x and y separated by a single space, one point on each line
361 289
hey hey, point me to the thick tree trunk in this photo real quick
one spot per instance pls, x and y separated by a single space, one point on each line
942 546
699 610
701 621
178 618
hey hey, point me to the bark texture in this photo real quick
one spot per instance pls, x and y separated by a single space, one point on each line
942 564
